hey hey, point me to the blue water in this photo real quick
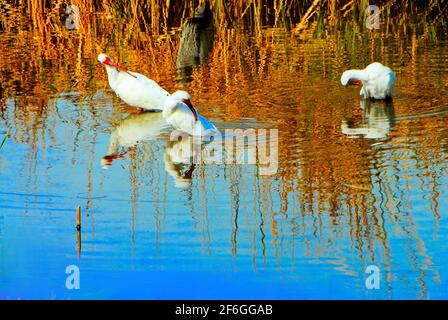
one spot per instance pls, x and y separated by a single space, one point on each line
152 228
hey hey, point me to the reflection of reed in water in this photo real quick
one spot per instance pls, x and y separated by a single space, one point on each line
378 120
2 108
196 41
135 128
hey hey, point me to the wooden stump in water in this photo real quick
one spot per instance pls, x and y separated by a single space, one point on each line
78 228
78 218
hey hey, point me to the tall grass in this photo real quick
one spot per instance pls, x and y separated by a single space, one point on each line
158 16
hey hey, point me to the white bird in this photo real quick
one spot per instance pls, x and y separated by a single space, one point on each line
133 88
378 80
180 113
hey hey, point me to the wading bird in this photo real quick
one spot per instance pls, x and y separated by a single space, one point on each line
133 88
180 113
378 81
143 93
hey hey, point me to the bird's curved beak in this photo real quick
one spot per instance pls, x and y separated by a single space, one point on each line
109 62
193 110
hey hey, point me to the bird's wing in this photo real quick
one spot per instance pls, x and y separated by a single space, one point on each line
141 91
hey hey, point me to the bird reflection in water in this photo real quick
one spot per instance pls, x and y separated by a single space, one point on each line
133 129
196 41
179 159
377 122
181 151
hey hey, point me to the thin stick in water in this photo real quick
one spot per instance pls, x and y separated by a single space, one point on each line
78 218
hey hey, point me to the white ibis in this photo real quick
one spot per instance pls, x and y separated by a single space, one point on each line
180 113
134 129
378 80
133 88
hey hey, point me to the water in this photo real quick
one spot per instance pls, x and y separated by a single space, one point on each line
357 184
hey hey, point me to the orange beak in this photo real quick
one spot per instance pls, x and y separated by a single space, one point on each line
109 62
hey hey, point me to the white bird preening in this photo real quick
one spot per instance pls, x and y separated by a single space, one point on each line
133 88
378 80
180 113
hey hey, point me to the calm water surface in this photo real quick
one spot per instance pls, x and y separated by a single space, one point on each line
357 184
